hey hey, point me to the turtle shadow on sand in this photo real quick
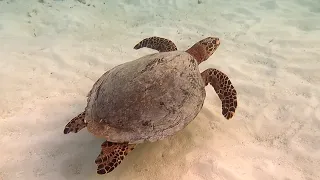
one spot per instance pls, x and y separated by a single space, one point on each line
145 160
78 163
55 154
162 157
72 156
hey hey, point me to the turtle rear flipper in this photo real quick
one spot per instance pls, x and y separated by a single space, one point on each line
76 124
111 155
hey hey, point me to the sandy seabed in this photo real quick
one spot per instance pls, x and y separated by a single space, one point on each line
52 52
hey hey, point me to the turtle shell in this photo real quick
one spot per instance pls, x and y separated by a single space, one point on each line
147 99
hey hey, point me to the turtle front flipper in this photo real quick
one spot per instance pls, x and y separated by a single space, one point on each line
111 155
157 43
224 88
76 124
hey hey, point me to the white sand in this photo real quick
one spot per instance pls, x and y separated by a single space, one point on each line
52 53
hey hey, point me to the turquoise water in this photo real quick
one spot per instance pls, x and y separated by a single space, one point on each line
51 53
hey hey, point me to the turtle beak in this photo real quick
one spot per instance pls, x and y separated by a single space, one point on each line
217 41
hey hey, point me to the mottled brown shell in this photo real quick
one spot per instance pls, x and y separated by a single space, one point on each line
146 99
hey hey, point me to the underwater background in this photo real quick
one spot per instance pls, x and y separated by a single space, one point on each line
52 52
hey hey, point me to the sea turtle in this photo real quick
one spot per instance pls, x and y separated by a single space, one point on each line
150 98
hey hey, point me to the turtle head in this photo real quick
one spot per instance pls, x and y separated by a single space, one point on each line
203 49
